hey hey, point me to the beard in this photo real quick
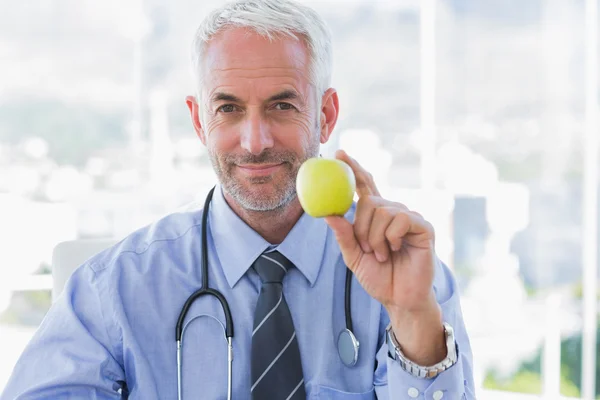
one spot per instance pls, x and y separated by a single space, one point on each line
265 193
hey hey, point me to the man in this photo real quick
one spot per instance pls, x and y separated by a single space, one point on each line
263 106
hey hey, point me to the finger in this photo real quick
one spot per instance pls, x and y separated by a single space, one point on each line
417 214
398 228
365 185
365 209
396 231
409 228
382 218
344 234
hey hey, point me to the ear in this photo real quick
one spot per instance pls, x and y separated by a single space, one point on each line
195 114
329 113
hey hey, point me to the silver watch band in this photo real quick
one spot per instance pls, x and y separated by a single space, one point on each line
420 371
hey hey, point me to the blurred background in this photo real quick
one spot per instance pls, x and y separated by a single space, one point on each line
481 114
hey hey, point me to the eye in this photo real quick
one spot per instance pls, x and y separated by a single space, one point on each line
284 106
227 108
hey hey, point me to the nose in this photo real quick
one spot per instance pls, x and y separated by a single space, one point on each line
255 134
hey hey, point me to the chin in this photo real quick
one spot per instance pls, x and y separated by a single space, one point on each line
261 194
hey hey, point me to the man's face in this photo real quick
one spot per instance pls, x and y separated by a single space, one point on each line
259 116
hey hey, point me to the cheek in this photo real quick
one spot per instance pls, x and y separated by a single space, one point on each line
214 125
220 135
299 129
311 136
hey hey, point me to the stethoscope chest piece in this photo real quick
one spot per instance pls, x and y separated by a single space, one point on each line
348 347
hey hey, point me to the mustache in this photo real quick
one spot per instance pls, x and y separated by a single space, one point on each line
266 157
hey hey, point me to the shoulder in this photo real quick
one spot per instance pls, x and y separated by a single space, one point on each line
181 225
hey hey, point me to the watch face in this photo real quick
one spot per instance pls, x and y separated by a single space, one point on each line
450 343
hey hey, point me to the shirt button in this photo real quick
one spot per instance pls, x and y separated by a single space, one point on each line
413 393
438 394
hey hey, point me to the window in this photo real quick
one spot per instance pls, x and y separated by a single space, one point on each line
476 113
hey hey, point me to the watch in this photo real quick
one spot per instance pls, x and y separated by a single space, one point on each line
395 352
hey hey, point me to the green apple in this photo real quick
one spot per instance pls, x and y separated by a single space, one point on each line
325 187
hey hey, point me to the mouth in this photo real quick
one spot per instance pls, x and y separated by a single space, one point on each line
259 169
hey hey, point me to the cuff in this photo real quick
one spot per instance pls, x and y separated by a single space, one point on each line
449 385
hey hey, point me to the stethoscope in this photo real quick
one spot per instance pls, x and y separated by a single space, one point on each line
347 343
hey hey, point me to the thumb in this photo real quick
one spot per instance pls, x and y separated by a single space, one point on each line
344 234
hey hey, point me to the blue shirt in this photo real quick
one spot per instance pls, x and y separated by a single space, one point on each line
115 321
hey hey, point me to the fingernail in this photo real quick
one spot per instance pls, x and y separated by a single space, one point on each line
365 246
379 257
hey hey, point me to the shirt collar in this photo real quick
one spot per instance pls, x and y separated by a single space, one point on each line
238 246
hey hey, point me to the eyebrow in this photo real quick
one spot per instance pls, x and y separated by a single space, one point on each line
284 95
220 96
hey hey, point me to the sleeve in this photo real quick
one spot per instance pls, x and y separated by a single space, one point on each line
70 355
392 382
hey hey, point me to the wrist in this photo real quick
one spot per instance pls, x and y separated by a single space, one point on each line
423 371
420 333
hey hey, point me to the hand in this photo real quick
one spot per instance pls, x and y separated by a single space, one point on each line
390 250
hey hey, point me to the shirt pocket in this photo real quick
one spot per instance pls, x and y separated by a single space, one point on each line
324 392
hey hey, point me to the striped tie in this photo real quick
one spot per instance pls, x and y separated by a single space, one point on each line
276 367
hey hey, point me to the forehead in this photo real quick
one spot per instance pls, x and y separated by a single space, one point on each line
238 56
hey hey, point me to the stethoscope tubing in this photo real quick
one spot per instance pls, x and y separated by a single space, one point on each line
228 328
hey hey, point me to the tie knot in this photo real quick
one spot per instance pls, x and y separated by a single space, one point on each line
272 267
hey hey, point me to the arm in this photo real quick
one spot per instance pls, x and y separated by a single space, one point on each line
71 355
455 383
391 251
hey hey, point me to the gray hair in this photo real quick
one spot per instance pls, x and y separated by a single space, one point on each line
271 18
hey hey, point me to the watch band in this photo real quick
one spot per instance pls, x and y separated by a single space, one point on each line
420 371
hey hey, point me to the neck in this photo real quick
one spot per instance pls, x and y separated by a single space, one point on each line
272 225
